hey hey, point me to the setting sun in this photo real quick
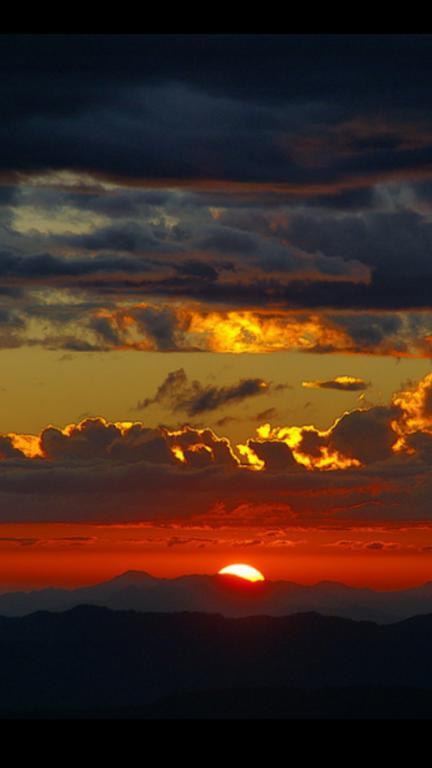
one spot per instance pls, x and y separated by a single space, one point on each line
242 571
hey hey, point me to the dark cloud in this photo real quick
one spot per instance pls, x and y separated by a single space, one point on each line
129 238
276 456
10 319
211 492
383 292
269 413
398 240
160 324
245 94
94 438
377 545
105 330
198 269
7 450
370 330
312 443
177 393
23 541
365 435
269 175
274 255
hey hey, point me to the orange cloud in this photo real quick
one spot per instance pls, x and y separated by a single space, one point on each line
248 331
29 445
343 383
414 415
175 326
415 403
359 437
324 458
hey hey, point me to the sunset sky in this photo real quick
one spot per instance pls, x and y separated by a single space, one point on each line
215 307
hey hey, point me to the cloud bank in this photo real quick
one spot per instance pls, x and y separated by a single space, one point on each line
371 466
150 204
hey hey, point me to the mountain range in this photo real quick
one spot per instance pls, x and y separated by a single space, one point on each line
226 595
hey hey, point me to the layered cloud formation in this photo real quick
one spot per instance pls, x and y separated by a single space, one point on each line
371 466
151 203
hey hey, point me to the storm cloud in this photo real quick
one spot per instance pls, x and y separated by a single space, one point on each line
269 175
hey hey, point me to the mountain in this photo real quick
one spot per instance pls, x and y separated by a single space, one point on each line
89 659
227 595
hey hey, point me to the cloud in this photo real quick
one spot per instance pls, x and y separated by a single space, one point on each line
7 449
187 190
371 466
269 413
365 435
274 455
177 393
91 323
383 240
342 122
369 545
343 383
161 325
98 439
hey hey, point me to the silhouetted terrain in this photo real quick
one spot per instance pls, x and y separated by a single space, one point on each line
227 595
92 659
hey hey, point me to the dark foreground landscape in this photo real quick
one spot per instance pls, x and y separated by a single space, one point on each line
95 662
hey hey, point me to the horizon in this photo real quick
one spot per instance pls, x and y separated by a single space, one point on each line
259 585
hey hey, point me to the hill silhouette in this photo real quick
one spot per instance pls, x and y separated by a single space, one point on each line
227 595
92 659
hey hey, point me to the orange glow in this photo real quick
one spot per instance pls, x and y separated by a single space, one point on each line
199 447
254 330
29 445
187 441
243 571
259 332
343 381
178 453
312 448
252 460
251 331
328 459
71 554
415 405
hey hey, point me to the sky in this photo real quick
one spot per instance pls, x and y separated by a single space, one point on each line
215 307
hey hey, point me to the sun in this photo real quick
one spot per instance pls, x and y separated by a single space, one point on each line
243 571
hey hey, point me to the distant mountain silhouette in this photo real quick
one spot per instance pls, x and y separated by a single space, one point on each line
227 595
89 659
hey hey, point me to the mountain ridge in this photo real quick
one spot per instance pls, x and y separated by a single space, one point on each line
90 658
227 595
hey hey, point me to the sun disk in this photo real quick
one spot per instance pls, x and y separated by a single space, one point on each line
243 571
